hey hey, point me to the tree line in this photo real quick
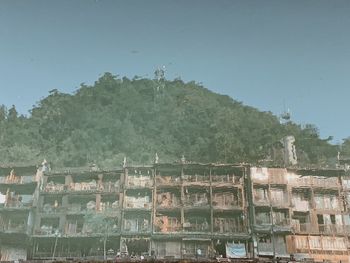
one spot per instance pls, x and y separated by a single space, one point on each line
137 118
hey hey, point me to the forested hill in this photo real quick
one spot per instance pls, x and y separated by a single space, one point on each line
137 118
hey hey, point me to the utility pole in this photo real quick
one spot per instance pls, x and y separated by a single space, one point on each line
57 234
251 209
272 233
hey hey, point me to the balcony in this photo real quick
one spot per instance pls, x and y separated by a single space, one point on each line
260 177
332 229
282 225
228 226
327 203
302 182
280 202
263 221
138 225
84 186
303 228
168 201
261 202
18 202
226 179
109 187
301 205
325 183
109 207
195 202
195 179
17 179
192 226
13 228
54 187
268 249
132 202
232 205
265 248
139 182
277 180
168 180
167 224
315 182
51 209
47 230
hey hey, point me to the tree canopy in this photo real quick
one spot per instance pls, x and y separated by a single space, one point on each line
138 117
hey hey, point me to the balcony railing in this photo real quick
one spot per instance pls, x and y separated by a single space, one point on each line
47 231
81 187
21 228
167 225
260 179
229 228
137 204
228 205
196 227
281 225
315 182
277 180
300 182
195 178
16 179
280 202
229 178
188 202
265 248
16 205
136 226
168 180
325 183
52 188
139 182
171 203
51 209
261 202
303 228
301 205
109 187
331 229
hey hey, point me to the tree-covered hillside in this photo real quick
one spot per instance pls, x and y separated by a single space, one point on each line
119 117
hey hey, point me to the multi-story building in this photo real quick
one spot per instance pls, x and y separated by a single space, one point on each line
166 210
78 214
18 196
300 212
175 211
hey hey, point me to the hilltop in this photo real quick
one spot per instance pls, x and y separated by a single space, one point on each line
137 118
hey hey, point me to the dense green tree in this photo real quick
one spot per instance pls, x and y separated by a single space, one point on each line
12 114
119 117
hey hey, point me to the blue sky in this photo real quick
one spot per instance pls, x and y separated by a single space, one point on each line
263 53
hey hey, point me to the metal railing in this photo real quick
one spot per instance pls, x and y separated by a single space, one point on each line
301 205
280 202
13 228
168 180
16 179
332 229
230 205
195 178
134 181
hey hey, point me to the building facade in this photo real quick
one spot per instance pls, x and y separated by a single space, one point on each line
175 211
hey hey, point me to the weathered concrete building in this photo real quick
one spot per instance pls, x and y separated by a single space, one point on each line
181 210
18 196
300 212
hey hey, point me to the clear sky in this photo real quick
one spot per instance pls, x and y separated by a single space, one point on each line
263 53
